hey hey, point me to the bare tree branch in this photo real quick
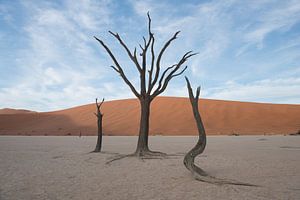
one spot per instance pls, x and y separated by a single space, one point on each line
141 49
159 59
132 57
120 70
149 23
152 65
198 92
115 68
179 72
144 58
190 90
172 74
163 75
101 103
151 36
98 105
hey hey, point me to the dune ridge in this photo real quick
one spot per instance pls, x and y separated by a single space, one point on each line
14 111
169 116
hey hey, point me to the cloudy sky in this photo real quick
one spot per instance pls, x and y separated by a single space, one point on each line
248 50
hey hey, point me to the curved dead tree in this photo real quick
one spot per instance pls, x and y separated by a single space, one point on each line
153 80
189 158
99 116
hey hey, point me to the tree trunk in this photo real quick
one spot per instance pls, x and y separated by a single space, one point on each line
142 145
99 140
200 146
189 158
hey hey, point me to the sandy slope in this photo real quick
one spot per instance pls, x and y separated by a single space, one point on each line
169 116
61 168
14 111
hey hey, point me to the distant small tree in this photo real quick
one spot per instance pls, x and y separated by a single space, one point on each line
99 116
152 81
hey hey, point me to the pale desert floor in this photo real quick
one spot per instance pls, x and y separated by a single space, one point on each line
41 167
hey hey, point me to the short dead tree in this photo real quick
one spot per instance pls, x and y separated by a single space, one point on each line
189 158
99 116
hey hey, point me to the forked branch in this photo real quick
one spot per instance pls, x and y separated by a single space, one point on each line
172 71
133 56
99 104
158 61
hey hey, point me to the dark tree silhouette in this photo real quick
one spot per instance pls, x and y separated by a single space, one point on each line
189 158
153 81
99 116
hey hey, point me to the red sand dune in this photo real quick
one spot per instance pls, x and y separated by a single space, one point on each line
169 116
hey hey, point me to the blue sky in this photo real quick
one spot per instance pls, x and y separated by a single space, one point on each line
248 50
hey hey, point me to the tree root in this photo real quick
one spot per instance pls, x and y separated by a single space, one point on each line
200 175
103 152
145 155
95 151
148 153
219 181
119 157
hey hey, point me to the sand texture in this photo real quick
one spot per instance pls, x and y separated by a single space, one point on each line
62 168
169 116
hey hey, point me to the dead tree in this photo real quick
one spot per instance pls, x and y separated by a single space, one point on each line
153 80
189 158
99 116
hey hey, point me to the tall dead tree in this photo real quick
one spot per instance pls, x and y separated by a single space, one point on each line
99 116
189 158
153 80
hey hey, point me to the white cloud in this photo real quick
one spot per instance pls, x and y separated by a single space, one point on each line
294 42
142 7
280 90
52 77
281 18
89 14
60 60
41 99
